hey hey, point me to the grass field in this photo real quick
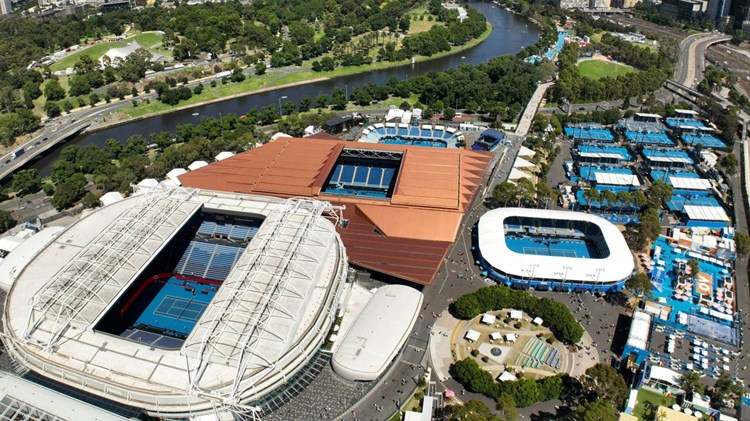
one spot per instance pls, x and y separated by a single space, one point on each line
147 40
653 397
597 69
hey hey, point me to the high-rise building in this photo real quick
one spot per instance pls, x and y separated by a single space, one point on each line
5 7
738 10
717 9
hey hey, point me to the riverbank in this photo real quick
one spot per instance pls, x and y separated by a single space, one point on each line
267 82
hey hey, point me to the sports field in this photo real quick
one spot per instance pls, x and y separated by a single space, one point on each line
597 69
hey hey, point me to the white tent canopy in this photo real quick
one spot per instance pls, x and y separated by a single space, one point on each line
516 314
639 330
526 152
488 318
472 335
706 213
224 155
522 163
175 173
495 335
110 197
511 337
516 174
197 164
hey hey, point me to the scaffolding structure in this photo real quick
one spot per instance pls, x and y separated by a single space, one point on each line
251 324
88 283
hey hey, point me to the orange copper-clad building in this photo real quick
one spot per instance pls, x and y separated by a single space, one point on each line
406 234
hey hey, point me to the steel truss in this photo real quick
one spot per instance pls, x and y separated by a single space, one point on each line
371 153
239 322
81 281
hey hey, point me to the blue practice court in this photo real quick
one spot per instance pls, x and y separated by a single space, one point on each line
177 307
545 246
582 133
684 122
649 138
703 140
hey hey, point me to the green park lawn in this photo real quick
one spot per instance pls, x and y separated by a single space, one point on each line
655 398
597 69
147 40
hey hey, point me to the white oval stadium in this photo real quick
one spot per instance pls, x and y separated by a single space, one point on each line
180 301
550 249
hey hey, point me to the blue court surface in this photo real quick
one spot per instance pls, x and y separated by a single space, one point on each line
678 122
581 133
703 140
413 142
589 172
544 246
598 151
360 180
177 307
649 138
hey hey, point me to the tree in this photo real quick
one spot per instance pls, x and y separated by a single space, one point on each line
507 407
695 267
53 91
742 241
658 192
260 68
591 195
26 182
69 191
472 410
93 99
52 109
598 410
603 382
726 391
729 163
691 383
90 200
404 23
449 113
639 283
6 221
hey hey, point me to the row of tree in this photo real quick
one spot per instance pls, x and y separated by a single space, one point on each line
556 316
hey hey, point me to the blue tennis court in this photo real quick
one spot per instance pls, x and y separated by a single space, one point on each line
176 307
582 133
546 246
684 122
649 138
703 140
414 142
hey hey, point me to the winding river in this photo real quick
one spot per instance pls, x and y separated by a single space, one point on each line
511 33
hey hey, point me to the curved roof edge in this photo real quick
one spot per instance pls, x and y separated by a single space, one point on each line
16 260
612 269
379 332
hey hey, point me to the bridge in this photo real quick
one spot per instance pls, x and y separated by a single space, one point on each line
684 91
13 161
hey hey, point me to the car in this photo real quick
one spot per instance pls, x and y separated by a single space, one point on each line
581 108
45 139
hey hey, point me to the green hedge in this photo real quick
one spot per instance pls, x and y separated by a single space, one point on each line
497 297
525 392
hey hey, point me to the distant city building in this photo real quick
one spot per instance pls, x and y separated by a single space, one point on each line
683 9
717 9
624 4
739 11
5 7
584 4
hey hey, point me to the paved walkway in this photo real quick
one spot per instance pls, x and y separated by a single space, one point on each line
528 114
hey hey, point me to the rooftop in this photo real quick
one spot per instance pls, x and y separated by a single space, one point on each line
406 235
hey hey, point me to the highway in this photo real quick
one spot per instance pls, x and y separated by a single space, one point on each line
55 131
692 58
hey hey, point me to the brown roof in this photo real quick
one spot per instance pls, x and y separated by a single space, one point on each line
407 236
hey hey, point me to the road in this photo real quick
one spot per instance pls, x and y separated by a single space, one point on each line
54 131
691 61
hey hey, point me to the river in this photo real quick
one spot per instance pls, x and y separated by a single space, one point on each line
511 33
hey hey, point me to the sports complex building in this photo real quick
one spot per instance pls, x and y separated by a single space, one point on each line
552 250
403 204
430 135
179 301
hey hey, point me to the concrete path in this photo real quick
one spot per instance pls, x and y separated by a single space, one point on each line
528 114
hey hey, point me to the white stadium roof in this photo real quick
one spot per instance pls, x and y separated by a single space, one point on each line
706 213
616 179
613 268
378 333
689 183
522 163
267 319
